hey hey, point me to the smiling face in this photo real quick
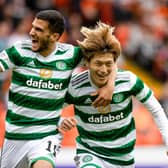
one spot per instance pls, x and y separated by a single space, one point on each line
100 67
43 40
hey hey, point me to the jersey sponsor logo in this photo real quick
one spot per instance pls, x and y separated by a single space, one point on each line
44 84
105 119
45 73
61 65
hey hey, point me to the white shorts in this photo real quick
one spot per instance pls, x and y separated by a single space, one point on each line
87 160
19 154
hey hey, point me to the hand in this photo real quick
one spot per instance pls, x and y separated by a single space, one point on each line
67 124
104 97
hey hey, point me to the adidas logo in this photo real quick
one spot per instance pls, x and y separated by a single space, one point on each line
88 101
31 63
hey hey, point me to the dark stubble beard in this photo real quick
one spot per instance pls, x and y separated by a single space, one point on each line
44 45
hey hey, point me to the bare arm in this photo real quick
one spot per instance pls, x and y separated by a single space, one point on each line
105 93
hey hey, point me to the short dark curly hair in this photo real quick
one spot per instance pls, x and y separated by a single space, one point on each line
55 19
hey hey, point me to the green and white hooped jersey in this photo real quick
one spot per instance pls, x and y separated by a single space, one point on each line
38 88
107 132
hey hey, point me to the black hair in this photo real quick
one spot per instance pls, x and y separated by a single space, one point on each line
55 19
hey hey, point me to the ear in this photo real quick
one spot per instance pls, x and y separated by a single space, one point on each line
55 37
86 63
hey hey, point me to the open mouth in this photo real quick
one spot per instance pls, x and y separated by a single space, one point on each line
34 43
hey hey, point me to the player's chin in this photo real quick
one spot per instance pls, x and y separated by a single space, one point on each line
102 81
35 49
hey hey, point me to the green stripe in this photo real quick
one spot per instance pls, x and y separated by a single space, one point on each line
80 100
36 103
69 98
27 48
117 151
19 60
121 81
77 55
21 136
107 135
21 120
137 88
4 64
61 52
112 161
147 96
16 58
93 165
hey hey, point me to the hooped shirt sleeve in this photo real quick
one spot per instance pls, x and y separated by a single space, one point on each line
77 56
69 98
145 95
10 57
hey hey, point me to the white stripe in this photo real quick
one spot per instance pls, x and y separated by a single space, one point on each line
143 93
126 86
52 57
31 129
5 58
81 91
39 114
36 72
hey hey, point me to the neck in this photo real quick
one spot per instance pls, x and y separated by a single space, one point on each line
48 51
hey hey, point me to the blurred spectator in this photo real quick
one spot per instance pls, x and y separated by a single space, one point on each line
40 4
148 47
160 65
75 23
89 12
21 31
5 30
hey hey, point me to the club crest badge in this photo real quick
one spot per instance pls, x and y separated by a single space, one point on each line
61 65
